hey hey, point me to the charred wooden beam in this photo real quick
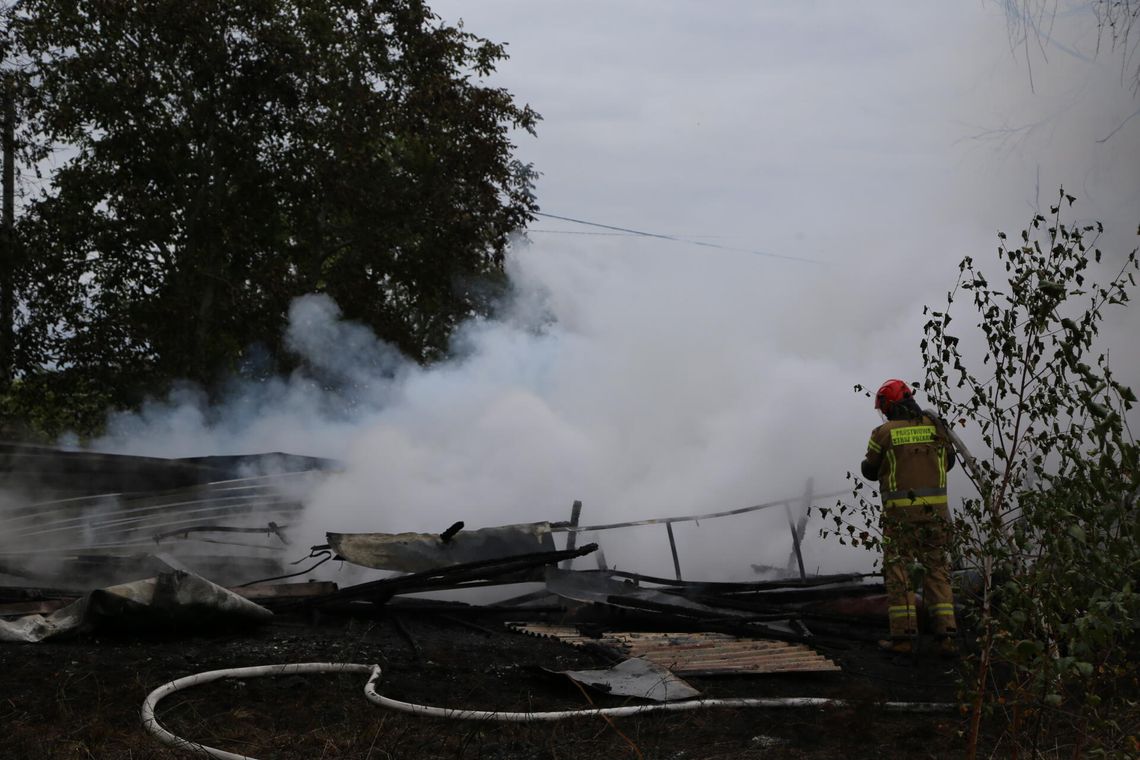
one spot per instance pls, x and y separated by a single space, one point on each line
728 587
750 624
452 576
794 595
572 536
268 591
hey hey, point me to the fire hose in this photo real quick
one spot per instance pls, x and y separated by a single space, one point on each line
153 727
956 441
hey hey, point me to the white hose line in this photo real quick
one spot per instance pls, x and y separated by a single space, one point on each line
688 704
151 724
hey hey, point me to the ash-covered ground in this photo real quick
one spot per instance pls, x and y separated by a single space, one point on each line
81 698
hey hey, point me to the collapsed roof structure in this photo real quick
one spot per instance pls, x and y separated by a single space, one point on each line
94 544
90 540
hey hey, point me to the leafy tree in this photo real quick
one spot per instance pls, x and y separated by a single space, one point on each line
1054 533
1055 530
218 158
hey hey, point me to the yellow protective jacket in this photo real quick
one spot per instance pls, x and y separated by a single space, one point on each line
910 459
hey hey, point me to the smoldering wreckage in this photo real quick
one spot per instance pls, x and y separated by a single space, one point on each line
101 544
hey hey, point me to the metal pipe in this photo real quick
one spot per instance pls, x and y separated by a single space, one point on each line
557 527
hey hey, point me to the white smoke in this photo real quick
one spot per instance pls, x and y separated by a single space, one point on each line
651 384
348 375
647 378
631 375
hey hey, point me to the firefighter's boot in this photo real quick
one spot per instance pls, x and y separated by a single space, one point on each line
948 647
896 646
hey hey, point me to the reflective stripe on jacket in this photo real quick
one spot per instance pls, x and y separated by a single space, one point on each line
909 458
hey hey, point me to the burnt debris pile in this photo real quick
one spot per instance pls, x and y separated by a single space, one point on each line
82 520
88 538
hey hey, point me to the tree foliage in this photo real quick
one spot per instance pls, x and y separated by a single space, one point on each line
1053 535
1055 530
207 161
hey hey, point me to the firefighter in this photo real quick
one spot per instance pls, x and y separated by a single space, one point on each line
909 455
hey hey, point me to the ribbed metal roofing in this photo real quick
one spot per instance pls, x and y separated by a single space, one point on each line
697 654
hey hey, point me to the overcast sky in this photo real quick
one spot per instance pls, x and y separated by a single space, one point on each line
881 141
828 130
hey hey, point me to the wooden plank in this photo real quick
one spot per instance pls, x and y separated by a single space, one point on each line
572 536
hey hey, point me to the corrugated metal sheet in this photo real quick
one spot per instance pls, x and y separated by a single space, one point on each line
697 654
116 523
636 677
420 552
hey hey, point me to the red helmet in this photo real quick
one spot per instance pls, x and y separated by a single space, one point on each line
891 393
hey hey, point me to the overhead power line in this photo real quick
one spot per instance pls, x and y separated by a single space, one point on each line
580 232
676 239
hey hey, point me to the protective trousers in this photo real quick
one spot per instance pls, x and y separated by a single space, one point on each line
915 542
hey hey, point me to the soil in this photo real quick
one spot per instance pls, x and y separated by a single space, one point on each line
81 699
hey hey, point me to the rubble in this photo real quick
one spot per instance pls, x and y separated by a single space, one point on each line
417 552
497 571
695 654
222 552
111 538
177 600
635 677
603 643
